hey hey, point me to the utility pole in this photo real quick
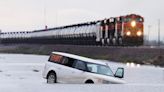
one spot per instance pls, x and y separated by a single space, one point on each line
159 33
45 15
159 40
57 18
149 26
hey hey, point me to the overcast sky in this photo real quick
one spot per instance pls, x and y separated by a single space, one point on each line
28 15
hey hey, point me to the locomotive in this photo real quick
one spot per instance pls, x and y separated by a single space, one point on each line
127 30
123 30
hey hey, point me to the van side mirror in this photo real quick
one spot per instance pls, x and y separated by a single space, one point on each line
119 73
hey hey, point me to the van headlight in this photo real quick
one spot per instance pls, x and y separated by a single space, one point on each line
139 33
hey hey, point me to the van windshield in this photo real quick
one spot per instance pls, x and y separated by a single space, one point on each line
99 69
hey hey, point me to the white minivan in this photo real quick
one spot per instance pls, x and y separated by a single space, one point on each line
68 68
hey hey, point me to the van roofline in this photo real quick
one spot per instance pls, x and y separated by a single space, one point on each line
90 60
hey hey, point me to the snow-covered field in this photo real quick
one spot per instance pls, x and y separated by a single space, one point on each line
23 73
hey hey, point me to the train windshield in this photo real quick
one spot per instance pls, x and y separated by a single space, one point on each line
127 19
136 19
139 19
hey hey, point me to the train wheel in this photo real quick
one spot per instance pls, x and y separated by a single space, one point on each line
114 41
102 42
120 41
108 41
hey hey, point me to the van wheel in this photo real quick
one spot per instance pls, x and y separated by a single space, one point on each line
51 78
89 82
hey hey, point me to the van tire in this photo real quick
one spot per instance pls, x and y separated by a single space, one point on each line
51 77
89 82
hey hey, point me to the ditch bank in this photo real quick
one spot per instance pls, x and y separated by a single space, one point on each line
141 55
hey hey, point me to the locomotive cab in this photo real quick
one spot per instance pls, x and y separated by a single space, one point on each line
133 30
123 30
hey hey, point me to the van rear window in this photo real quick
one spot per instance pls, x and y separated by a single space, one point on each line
55 58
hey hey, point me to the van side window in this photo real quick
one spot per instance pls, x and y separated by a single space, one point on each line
55 58
80 65
67 61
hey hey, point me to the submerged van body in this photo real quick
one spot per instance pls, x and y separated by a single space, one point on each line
68 68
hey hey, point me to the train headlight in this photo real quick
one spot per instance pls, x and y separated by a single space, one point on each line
133 23
139 33
128 33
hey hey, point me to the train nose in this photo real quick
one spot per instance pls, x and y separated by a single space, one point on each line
133 40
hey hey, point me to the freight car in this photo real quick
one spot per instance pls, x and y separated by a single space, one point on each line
122 30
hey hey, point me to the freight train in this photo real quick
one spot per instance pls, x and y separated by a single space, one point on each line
123 30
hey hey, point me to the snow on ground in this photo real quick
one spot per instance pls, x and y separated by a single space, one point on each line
23 73
142 74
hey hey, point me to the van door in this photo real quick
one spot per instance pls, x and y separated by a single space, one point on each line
79 72
72 70
65 69
55 64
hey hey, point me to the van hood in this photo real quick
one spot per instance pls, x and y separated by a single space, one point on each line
110 79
